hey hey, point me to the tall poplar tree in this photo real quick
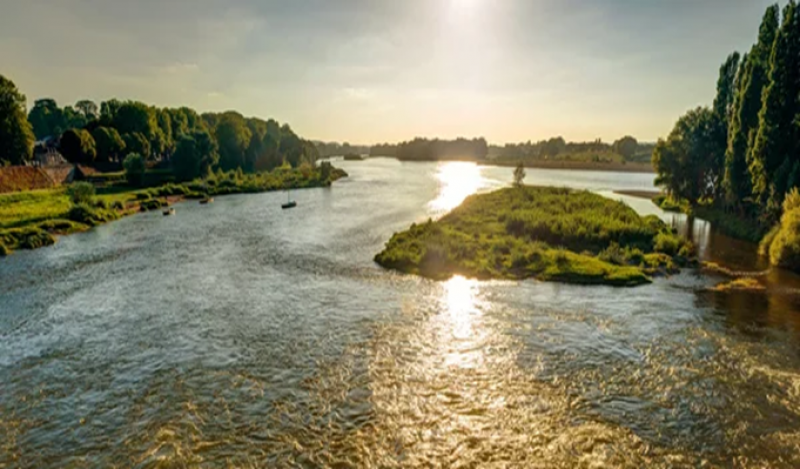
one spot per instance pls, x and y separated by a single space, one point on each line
747 104
775 165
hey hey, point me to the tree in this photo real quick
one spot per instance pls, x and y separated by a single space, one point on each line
683 161
626 147
752 79
88 109
723 104
325 170
774 167
16 134
136 143
135 168
108 112
233 138
267 157
78 146
519 174
109 144
291 147
47 118
194 156
133 117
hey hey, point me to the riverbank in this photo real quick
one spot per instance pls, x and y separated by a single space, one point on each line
623 167
727 223
544 233
34 219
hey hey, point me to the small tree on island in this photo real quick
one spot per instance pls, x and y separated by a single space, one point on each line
519 174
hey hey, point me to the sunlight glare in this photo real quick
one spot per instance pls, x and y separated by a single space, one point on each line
457 181
459 298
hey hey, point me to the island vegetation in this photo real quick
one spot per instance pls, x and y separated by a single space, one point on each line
549 234
625 154
141 158
735 163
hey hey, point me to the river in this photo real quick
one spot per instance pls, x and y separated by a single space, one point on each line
241 335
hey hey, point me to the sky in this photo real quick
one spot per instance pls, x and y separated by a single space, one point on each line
369 71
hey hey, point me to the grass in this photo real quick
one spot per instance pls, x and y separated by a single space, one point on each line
26 208
31 219
669 204
546 233
740 284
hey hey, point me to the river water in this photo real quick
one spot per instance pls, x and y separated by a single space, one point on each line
241 335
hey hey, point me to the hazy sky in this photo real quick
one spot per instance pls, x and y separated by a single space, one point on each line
387 70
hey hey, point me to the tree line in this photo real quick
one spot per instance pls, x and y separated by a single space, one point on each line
626 147
422 149
329 149
191 142
742 154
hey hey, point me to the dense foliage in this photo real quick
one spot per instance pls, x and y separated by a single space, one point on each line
421 149
547 233
104 134
16 137
626 149
742 155
329 149
78 146
135 168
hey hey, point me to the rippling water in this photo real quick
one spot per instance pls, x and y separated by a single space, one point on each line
240 335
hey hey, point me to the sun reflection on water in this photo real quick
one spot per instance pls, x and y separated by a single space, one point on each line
459 299
457 181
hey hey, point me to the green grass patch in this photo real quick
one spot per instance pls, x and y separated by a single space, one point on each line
546 233
26 208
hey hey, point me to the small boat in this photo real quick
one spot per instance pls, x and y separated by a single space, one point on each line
289 202
207 200
168 211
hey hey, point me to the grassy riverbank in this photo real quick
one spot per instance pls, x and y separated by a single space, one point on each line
33 219
545 233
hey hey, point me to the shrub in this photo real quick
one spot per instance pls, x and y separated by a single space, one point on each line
785 248
135 168
86 214
4 251
152 204
118 205
81 193
101 204
667 243
61 226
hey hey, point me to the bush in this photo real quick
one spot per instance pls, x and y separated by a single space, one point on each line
101 204
81 193
785 248
4 251
135 168
152 204
118 206
86 214
667 243
62 227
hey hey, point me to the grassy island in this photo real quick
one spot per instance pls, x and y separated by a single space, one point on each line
544 233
